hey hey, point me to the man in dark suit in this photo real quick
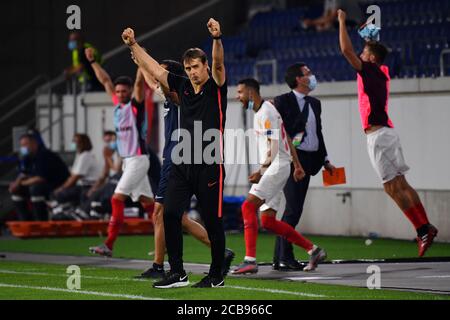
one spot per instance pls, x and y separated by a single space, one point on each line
301 116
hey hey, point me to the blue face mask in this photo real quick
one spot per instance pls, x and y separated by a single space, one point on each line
113 145
312 82
72 45
24 151
73 146
251 104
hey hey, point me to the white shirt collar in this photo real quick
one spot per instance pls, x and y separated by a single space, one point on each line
298 94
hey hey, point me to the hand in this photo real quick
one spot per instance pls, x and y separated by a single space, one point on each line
58 190
214 28
342 16
14 187
89 52
299 174
91 191
128 37
330 168
255 177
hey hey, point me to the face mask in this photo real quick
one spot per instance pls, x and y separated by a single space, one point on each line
72 45
113 145
24 151
73 146
312 83
251 104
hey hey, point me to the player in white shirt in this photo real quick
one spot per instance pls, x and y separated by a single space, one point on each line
276 153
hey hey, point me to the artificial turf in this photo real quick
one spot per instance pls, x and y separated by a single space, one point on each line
42 281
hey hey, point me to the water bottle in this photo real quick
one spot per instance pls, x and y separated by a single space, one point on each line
298 139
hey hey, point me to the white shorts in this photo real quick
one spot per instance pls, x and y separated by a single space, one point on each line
134 181
270 187
386 155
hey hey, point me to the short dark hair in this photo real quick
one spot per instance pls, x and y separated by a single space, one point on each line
195 53
251 83
378 50
124 80
84 141
292 73
174 67
28 136
109 133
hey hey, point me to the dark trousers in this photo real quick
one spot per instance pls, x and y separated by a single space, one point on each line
204 182
74 195
37 194
295 193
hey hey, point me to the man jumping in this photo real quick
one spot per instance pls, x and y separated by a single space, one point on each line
276 155
130 125
383 143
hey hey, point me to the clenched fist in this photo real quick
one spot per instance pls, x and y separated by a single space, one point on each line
342 15
214 28
128 37
89 52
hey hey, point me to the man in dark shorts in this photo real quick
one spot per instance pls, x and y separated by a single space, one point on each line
198 167
383 143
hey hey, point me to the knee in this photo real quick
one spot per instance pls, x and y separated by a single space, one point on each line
268 221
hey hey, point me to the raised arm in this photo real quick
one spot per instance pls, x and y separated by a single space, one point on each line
145 62
346 44
218 66
139 87
102 76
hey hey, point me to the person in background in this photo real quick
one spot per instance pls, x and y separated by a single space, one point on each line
44 172
328 18
104 187
81 68
85 172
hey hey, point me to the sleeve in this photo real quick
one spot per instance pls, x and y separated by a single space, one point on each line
81 165
366 68
41 166
138 105
269 120
176 82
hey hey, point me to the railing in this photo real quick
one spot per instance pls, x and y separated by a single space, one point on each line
441 61
272 63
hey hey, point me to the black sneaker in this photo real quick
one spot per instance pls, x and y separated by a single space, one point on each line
155 272
209 282
229 256
172 280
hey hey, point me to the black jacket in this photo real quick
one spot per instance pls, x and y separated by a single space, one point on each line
289 110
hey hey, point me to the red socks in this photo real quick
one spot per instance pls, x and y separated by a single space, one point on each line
286 231
249 213
116 222
417 215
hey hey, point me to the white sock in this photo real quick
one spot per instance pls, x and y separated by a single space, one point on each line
310 252
250 259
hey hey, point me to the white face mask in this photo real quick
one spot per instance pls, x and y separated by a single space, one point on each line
251 104
312 82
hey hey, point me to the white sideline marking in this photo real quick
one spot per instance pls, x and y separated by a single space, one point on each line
431 277
91 293
312 278
302 294
65 275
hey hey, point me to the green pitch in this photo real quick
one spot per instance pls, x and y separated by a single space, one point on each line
40 281
139 247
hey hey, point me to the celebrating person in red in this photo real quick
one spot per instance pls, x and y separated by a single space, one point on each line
383 143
